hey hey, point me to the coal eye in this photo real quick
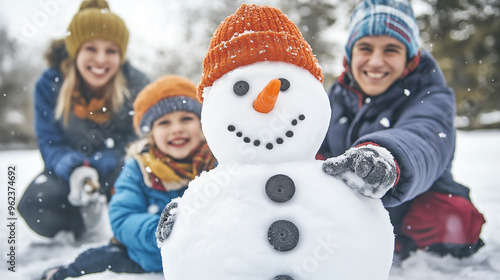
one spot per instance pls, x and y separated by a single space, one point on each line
241 88
285 84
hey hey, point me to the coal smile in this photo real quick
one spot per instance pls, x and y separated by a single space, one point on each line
270 145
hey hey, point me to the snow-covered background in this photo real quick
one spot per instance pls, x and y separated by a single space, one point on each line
476 165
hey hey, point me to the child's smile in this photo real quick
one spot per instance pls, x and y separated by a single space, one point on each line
177 134
377 62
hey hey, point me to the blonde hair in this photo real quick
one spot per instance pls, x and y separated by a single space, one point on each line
116 89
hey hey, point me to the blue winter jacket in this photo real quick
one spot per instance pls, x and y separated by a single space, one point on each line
134 212
65 147
413 119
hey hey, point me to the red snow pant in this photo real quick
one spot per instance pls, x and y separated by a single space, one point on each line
442 223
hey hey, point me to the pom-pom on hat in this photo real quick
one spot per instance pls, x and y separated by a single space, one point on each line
165 95
95 21
384 17
252 34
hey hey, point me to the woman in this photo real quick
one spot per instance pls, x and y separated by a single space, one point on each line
393 98
83 121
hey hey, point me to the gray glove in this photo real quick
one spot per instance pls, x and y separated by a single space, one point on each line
166 222
369 169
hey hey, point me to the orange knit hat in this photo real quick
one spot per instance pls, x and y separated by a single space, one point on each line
252 34
165 95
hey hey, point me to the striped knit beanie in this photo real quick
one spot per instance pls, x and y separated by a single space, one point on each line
252 34
165 95
384 17
95 21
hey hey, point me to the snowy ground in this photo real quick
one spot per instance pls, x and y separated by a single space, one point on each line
477 166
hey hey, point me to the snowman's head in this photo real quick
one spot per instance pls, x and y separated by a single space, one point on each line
265 112
262 90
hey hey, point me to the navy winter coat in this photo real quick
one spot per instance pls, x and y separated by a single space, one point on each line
65 147
413 119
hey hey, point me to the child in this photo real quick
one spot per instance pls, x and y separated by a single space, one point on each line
82 106
160 166
393 95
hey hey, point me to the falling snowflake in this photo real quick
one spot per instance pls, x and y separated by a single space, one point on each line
385 122
407 92
40 180
442 135
148 169
97 156
110 143
343 120
153 209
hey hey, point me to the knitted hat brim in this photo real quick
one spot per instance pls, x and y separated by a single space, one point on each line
166 106
257 46
379 20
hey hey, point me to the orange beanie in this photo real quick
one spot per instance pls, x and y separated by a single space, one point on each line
252 34
165 95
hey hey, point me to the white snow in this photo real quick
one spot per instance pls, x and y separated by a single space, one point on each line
490 118
476 165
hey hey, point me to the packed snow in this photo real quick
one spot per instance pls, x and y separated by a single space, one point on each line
476 165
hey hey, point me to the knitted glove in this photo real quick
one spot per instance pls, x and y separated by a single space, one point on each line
368 169
83 186
166 223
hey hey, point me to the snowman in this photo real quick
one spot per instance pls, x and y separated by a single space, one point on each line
268 211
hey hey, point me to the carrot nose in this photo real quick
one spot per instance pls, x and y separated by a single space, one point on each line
266 99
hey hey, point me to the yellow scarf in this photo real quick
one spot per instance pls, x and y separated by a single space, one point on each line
172 173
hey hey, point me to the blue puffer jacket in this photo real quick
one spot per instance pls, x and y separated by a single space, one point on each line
65 147
134 212
413 119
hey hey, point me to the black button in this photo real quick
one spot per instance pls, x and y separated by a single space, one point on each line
280 188
282 277
283 235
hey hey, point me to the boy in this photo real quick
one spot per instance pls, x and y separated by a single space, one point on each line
393 95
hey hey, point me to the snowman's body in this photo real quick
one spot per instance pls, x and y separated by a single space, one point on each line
225 226
221 231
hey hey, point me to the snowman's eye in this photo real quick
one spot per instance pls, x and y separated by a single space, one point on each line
241 88
285 84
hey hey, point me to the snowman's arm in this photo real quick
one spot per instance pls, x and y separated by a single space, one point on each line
369 169
166 222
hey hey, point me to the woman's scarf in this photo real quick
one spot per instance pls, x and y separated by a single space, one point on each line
97 109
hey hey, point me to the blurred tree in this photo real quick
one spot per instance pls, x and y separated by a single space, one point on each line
313 18
464 37
16 109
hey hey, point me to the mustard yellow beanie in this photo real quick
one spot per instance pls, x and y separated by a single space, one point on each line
94 20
